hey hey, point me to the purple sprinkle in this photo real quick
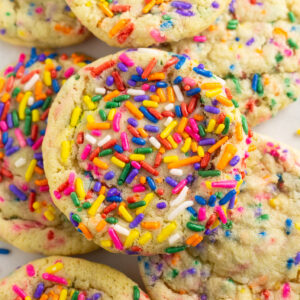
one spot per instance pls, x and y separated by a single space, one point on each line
152 88
151 128
29 141
211 109
138 219
40 164
170 181
97 186
185 13
1 108
38 155
297 258
190 178
112 192
122 67
208 141
215 4
250 42
234 160
141 98
97 296
131 82
39 290
161 205
139 70
197 166
181 5
9 143
131 175
9 121
109 175
20 195
231 202
12 150
133 122
72 221
109 80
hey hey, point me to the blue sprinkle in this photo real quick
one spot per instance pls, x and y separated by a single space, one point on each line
193 92
200 200
138 141
151 183
178 79
161 84
254 82
147 114
227 197
4 251
118 148
212 200
192 211
203 72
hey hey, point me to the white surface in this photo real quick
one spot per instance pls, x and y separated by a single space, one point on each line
282 128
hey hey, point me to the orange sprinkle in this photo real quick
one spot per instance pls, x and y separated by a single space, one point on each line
175 259
142 179
170 94
38 170
157 76
106 10
278 30
239 131
5 97
155 98
85 231
102 190
2 82
182 124
1 155
142 132
223 100
150 225
194 146
161 95
20 97
101 125
41 182
227 155
211 86
217 144
149 6
198 117
184 162
118 27
149 68
100 226
38 91
133 109
111 95
63 29
100 164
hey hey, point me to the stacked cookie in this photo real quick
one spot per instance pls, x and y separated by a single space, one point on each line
148 151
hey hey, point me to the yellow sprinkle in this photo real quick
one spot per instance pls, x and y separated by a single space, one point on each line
133 235
63 294
137 157
147 199
90 119
173 143
89 103
145 238
111 114
30 170
65 150
211 125
187 145
148 103
200 151
55 268
27 298
148 6
170 158
35 115
106 243
298 131
166 232
117 162
79 188
125 214
106 10
273 202
220 128
208 184
168 129
49 215
213 93
23 105
95 206
297 225
47 78
75 116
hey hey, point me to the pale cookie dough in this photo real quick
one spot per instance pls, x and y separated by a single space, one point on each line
40 23
255 47
69 279
257 253
28 218
143 23
131 137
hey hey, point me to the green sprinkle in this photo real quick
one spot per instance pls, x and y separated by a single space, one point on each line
219 195
236 83
291 16
86 205
112 104
291 95
292 44
102 114
106 152
121 98
195 227
76 218
136 204
97 98
166 17
260 87
227 226
77 76
15 92
111 220
273 103
235 103
209 173
75 295
174 273
75 199
201 130
227 124
46 103
124 174
245 124
175 249
232 24
136 293
143 150
264 217
27 125
15 118
279 57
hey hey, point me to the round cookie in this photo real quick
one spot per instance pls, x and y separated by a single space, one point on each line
28 218
131 139
69 278
255 47
41 23
257 254
144 23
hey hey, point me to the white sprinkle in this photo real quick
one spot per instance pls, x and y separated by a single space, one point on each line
121 229
174 238
222 81
169 106
20 162
179 209
176 172
30 101
104 140
154 142
28 86
150 50
178 93
181 197
168 121
100 90
90 139
134 92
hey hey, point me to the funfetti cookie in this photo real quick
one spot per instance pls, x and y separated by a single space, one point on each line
40 23
130 137
255 47
256 254
143 23
69 278
28 218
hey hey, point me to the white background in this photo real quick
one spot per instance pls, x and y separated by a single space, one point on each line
283 128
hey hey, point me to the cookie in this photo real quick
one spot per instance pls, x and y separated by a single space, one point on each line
144 23
28 218
68 278
255 47
130 137
41 23
257 254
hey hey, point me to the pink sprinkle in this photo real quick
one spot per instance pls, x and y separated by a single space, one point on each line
200 38
116 122
115 238
227 184
71 178
20 137
179 186
57 194
177 138
248 141
69 72
8 70
38 143
157 36
193 124
221 214
125 141
189 81
54 278
139 188
135 164
202 214
69 190
25 187
288 52
191 133
126 60
39 10
81 296
44 188
86 151
1 200
3 125
240 209
96 132
19 291
145 87
30 270
286 290
22 57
